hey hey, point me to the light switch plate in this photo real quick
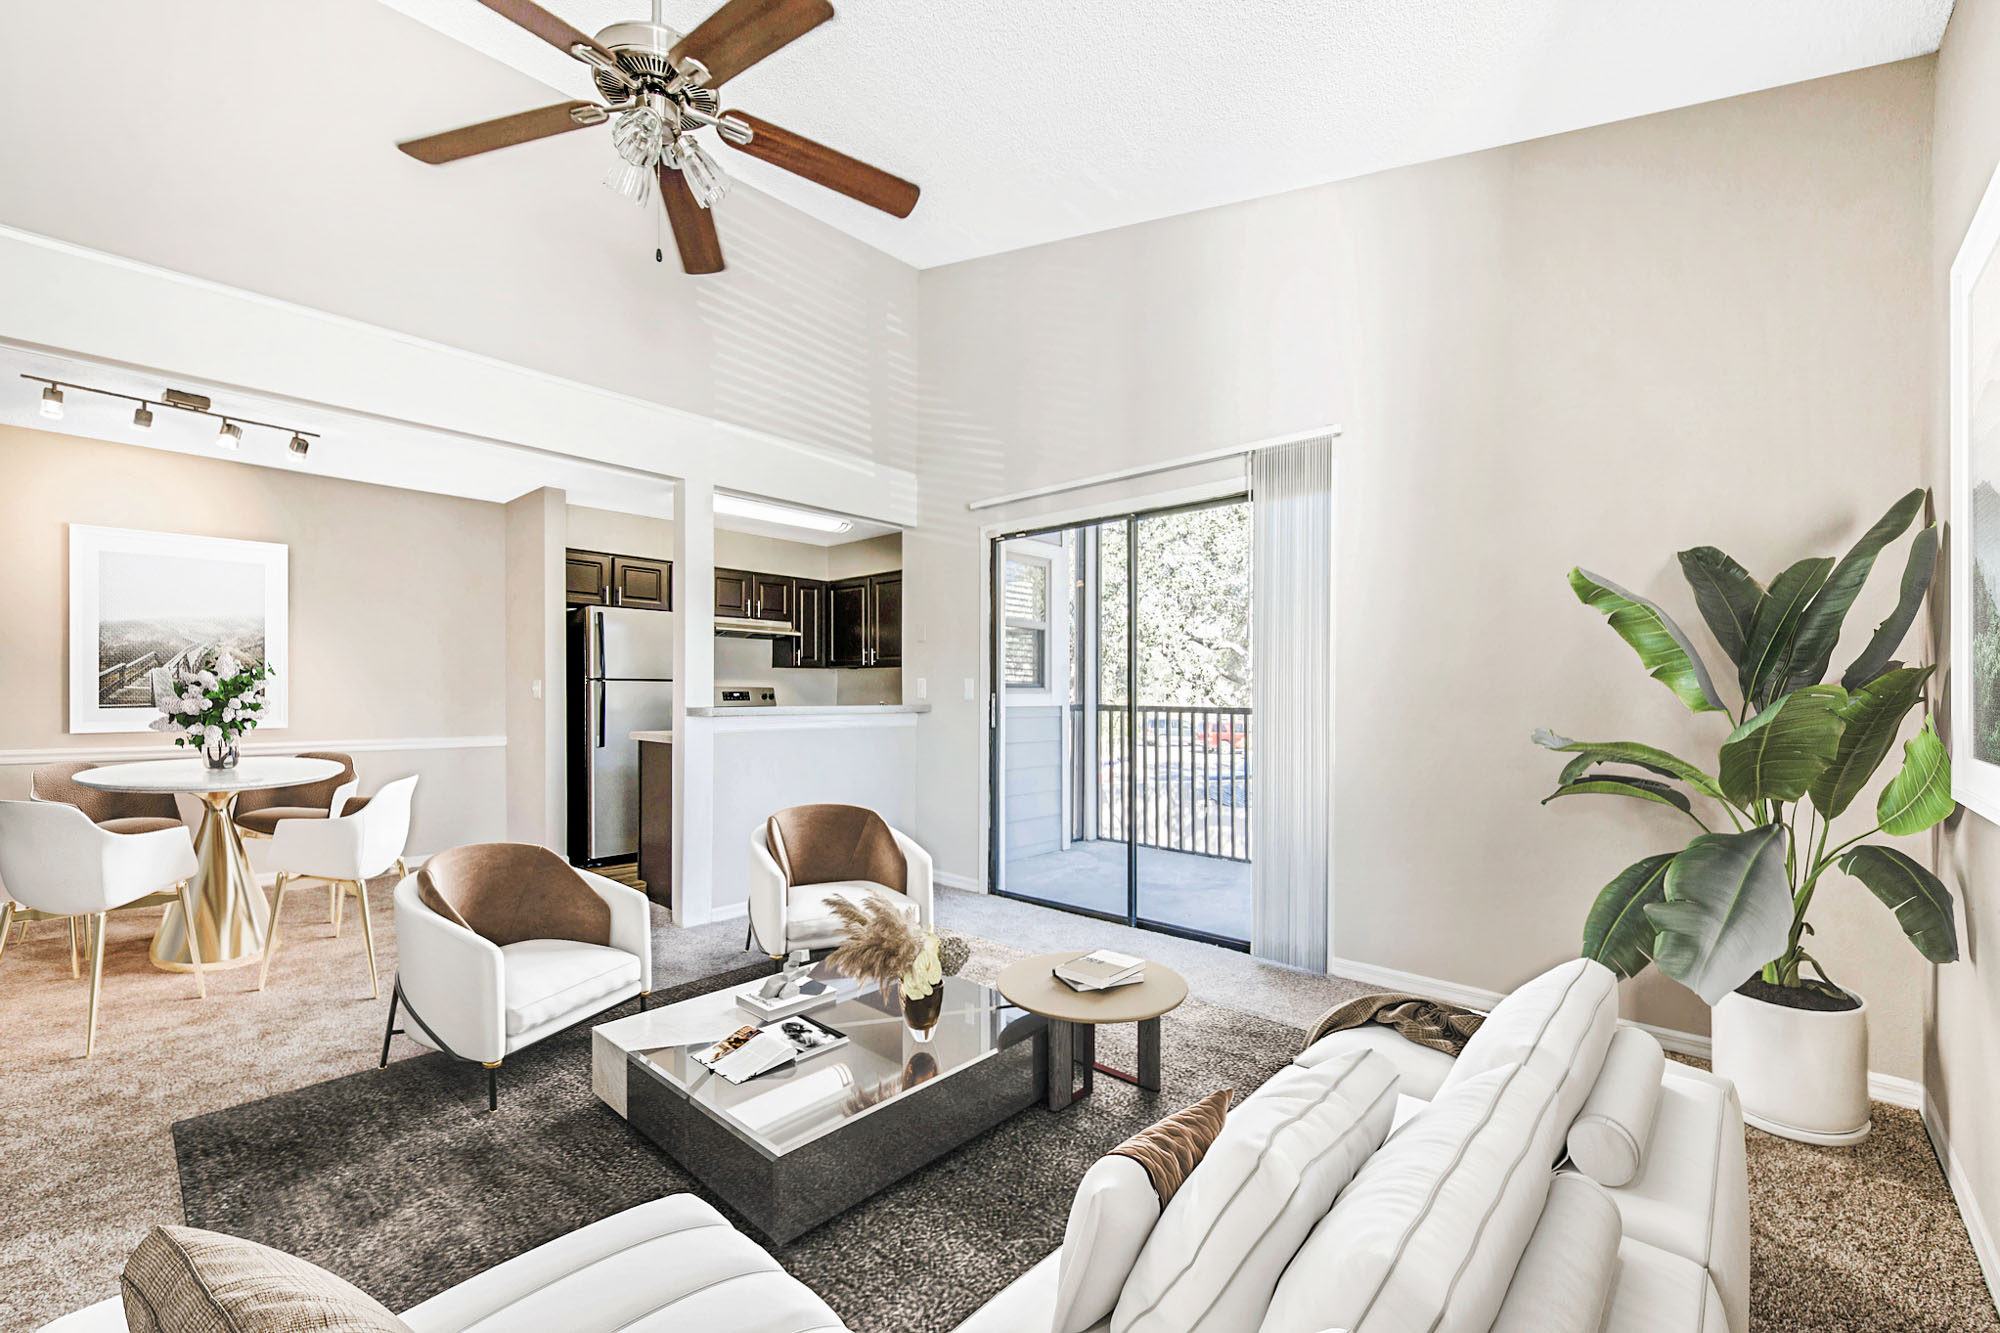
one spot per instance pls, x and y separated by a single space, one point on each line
970 689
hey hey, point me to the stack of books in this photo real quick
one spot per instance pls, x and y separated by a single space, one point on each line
1102 970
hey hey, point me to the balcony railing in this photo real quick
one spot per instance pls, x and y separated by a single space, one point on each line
1191 773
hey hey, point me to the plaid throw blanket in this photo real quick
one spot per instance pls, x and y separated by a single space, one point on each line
1432 1023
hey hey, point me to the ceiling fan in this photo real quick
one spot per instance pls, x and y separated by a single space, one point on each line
659 87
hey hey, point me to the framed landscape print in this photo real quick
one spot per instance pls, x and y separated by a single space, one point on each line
141 602
1975 511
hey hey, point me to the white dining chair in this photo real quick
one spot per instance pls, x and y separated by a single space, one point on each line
346 851
53 859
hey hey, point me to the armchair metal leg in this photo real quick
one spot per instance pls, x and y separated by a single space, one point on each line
194 944
644 996
271 944
395 998
492 1085
96 984
339 891
749 936
6 925
74 971
402 871
368 934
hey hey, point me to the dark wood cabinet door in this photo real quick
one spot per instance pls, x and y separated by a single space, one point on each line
847 617
771 597
587 577
885 619
645 584
811 648
734 593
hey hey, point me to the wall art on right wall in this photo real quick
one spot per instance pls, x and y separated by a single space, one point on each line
1975 508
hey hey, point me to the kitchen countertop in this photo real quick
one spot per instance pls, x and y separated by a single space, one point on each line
662 737
811 710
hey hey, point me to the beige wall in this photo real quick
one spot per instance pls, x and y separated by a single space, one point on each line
1963 999
395 620
1703 326
536 678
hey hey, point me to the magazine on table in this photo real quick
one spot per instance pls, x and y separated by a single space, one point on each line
752 1050
1104 969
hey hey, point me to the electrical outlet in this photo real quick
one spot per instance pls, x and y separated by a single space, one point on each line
971 688
923 688
537 688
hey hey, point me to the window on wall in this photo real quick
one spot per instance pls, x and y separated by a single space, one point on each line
1026 656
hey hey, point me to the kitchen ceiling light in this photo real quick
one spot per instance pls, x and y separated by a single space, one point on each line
230 436
766 512
52 405
142 416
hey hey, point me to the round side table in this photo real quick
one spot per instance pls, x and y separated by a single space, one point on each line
231 917
1074 1017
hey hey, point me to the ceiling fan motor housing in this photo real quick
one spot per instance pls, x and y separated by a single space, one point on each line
643 52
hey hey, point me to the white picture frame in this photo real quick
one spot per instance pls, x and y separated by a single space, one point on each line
139 599
1975 467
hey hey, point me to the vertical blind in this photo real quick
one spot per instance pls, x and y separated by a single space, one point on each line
1291 695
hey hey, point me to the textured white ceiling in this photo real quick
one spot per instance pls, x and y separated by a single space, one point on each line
1035 120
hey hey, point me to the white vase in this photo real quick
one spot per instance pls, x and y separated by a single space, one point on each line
1801 1073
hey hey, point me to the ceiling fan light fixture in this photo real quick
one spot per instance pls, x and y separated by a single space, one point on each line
630 183
705 180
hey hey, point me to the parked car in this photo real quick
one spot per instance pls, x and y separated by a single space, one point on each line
1231 789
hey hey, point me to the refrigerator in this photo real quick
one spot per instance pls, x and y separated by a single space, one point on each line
621 666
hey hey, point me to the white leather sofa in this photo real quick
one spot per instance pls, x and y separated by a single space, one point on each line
1523 1240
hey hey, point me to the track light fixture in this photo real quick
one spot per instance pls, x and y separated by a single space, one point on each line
229 436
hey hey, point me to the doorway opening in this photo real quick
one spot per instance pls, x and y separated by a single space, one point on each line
1121 727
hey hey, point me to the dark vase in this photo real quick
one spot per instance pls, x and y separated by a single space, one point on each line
922 1015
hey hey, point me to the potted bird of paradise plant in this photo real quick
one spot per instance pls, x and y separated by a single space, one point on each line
1726 914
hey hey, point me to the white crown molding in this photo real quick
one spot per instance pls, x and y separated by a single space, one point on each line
123 753
1959 1182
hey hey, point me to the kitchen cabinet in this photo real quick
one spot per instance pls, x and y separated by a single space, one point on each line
867 620
656 820
587 578
813 647
771 597
735 594
645 584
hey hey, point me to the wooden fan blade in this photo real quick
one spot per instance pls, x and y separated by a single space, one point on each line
743 32
504 132
824 166
694 226
531 16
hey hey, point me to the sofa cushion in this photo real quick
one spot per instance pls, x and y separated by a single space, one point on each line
1558 1024
1428 1234
1565 1274
550 979
1607 1140
507 892
1658 1292
674 1265
1420 1070
810 922
181 1280
1691 1196
1220 1246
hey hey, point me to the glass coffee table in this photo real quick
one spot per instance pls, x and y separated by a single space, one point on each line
803 1143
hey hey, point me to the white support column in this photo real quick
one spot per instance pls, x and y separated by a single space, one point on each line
694 684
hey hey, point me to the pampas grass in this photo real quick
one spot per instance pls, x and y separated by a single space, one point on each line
880 945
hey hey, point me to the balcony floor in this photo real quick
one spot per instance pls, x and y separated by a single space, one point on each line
1203 893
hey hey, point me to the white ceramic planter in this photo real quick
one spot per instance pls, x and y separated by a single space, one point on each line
1801 1073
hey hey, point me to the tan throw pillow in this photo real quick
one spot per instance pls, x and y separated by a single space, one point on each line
181 1280
1173 1147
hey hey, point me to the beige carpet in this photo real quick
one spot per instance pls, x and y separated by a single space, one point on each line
1845 1240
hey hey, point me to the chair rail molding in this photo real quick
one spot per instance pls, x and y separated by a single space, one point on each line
124 753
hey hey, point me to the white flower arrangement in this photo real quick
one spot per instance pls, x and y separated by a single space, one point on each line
214 700
926 971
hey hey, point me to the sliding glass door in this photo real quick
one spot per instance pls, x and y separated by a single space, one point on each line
1132 804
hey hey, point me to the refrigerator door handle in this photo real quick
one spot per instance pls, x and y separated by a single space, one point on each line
597 643
597 686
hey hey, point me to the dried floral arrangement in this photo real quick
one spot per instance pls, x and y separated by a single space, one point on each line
882 946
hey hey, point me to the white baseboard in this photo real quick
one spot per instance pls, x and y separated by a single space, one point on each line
1881 1087
1960 1183
972 883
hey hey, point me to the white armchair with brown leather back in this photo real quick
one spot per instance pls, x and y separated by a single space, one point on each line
804 857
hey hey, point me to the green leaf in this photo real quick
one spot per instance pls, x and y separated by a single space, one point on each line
1617 933
1819 627
1663 649
1920 795
1874 659
1872 717
1776 755
1725 594
1919 899
1589 753
1727 911
1612 784
1763 664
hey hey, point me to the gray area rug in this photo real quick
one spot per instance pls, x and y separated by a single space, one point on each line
397 1180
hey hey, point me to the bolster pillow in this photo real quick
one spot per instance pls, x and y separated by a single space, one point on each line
1607 1141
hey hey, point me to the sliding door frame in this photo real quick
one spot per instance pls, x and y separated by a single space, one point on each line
996 709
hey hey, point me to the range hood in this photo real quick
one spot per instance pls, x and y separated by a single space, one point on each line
731 627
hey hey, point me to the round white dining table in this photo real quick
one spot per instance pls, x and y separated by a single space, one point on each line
232 919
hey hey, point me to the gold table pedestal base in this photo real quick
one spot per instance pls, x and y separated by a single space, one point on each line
231 919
